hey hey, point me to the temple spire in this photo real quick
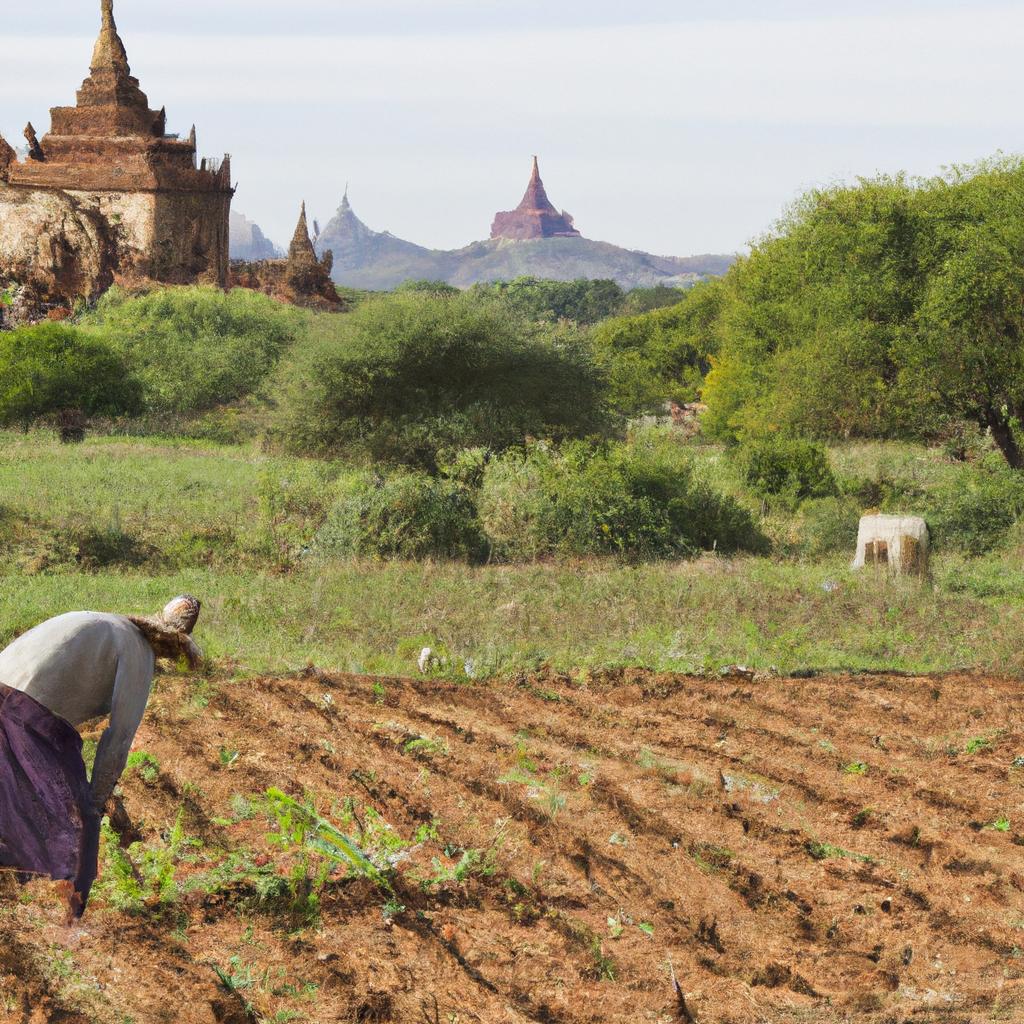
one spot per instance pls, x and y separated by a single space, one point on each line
301 245
109 52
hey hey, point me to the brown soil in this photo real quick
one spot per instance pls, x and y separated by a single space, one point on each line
812 850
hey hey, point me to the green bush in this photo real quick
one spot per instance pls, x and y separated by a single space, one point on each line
407 515
827 526
639 500
416 374
976 512
54 367
195 348
790 468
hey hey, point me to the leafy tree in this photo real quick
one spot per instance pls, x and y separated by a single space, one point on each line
416 374
583 301
660 355
53 368
969 351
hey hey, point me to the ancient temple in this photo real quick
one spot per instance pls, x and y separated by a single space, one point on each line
108 192
535 217
300 280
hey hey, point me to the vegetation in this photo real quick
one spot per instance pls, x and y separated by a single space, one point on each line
239 527
195 348
662 355
421 373
887 309
52 368
583 302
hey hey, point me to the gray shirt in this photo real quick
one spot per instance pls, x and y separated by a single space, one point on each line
82 666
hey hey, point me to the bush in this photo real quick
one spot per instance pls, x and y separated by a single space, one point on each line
195 348
976 512
790 468
638 500
828 526
408 515
418 373
54 367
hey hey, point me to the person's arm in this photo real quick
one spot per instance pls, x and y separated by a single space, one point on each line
132 683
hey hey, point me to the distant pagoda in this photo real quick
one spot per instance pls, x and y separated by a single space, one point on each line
535 217
163 217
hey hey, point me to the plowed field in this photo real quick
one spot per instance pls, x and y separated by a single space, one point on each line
815 850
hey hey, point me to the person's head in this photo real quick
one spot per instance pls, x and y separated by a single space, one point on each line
182 613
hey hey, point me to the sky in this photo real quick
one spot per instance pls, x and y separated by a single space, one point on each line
663 125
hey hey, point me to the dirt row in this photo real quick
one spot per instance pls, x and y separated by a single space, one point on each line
624 847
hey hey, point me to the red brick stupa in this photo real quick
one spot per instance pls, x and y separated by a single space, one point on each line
535 217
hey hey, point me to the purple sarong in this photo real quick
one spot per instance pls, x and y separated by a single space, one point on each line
48 825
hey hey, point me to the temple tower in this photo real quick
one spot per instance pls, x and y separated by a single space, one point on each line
535 217
157 214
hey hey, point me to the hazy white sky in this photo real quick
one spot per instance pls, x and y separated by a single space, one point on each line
661 124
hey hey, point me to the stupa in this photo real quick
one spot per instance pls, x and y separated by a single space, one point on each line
535 217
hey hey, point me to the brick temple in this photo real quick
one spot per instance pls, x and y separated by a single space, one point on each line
109 192
535 217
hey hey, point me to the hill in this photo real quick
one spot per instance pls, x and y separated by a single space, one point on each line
248 241
378 260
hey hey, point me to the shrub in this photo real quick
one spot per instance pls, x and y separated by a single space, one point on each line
638 500
417 373
195 348
54 367
408 515
976 512
788 467
827 526
583 301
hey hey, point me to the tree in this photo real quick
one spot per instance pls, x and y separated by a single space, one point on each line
969 350
416 374
53 368
662 355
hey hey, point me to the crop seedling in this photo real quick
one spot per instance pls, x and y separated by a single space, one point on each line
856 768
1001 824
300 826
146 765
977 745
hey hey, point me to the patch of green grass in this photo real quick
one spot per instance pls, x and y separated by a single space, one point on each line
856 768
826 851
1001 824
145 764
224 521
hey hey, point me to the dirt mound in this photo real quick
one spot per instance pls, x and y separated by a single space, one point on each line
829 849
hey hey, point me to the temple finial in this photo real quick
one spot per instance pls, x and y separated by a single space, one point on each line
109 51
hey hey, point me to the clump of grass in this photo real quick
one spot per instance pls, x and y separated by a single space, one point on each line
145 765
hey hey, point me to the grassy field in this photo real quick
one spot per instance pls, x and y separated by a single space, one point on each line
119 524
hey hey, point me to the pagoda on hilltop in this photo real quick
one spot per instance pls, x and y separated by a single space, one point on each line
535 217
154 211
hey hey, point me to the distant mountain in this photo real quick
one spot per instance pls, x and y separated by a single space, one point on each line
248 242
377 260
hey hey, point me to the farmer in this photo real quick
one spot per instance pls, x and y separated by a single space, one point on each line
65 672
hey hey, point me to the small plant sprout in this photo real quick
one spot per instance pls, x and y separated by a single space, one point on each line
856 768
977 745
301 826
228 758
1001 824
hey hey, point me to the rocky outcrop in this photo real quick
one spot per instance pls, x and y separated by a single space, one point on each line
300 280
248 241
535 217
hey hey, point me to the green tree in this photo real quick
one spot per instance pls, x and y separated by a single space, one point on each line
53 368
663 355
582 301
969 351
416 374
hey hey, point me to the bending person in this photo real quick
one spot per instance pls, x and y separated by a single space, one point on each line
65 672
